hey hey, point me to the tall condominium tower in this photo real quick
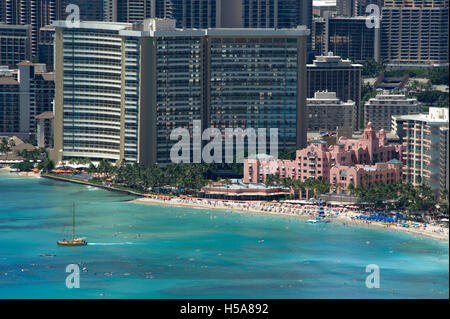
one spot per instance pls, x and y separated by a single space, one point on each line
257 79
347 37
334 74
353 8
23 98
123 88
345 8
90 10
15 44
187 13
37 13
99 71
415 31
277 14
201 14
196 14
129 10
422 141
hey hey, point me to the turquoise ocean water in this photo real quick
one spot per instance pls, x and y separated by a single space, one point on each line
140 251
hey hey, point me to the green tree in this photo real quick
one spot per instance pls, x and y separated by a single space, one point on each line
24 166
46 165
439 76
272 179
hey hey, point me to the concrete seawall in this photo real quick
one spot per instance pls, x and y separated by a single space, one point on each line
109 188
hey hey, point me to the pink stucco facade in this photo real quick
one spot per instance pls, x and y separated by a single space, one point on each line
357 157
366 175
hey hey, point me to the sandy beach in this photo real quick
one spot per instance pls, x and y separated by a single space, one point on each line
29 174
344 216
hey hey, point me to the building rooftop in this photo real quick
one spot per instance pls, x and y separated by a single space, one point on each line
25 63
331 59
8 81
45 116
261 157
394 161
23 147
317 142
435 115
15 26
319 3
50 76
166 27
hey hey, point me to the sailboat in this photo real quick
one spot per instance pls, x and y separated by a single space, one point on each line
74 241
320 216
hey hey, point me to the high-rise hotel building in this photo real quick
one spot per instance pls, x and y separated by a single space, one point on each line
122 88
98 98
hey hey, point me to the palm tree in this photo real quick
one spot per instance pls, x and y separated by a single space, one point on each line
299 186
287 182
322 186
309 186
4 146
270 180
351 188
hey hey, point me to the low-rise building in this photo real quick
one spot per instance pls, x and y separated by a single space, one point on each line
326 112
365 175
380 109
44 129
319 160
241 191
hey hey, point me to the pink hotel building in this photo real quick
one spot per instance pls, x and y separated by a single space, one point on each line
342 164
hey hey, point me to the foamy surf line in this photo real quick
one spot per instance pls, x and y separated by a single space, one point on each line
110 244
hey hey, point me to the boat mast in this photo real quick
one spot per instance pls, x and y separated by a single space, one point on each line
73 221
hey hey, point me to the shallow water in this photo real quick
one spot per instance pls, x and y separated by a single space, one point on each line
143 251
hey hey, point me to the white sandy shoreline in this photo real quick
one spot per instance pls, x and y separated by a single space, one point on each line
342 218
26 174
434 232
